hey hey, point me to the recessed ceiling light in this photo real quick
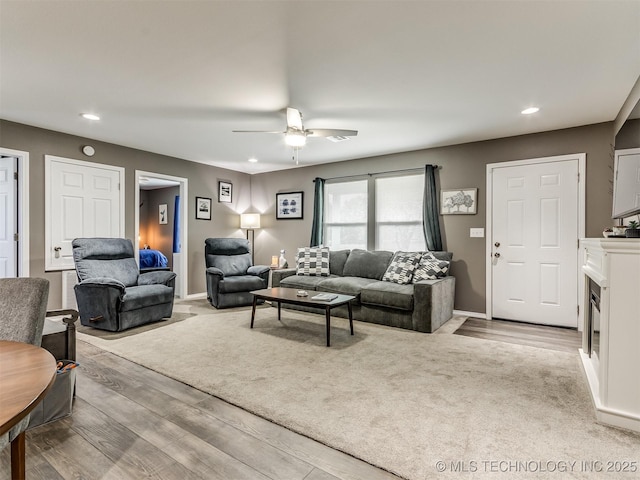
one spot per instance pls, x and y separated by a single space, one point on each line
90 116
253 160
530 110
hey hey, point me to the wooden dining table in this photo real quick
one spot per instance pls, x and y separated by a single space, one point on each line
26 374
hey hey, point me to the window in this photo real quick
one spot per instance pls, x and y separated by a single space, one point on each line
395 222
345 215
399 213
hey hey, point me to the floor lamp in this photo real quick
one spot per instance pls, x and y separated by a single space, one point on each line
250 221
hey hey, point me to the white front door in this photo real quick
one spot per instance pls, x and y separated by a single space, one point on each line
535 243
8 217
83 200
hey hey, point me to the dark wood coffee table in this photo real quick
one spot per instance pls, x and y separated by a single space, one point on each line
289 295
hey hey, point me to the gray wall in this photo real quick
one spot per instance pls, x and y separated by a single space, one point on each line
629 135
461 166
202 179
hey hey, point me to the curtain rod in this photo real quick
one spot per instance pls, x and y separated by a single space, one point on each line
417 169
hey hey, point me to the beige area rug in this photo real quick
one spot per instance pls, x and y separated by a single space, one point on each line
421 406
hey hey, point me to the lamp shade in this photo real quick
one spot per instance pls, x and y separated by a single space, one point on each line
250 220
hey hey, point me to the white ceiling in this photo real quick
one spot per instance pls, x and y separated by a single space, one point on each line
175 77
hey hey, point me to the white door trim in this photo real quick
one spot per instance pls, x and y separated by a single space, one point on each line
184 208
23 208
582 165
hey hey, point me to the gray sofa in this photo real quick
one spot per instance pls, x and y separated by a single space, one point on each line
423 306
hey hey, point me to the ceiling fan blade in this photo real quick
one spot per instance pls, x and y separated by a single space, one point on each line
256 131
330 132
294 118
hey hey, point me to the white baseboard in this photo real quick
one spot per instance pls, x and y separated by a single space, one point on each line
462 313
195 296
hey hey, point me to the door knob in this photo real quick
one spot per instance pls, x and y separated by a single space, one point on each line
497 255
497 244
57 250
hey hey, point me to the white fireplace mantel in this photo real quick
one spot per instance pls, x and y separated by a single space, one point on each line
614 264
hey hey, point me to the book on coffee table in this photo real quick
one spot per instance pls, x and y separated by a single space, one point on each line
327 297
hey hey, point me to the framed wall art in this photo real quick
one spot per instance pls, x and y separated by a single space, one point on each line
289 205
163 214
203 208
459 201
225 192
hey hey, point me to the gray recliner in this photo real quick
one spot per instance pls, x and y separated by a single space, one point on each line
230 273
111 293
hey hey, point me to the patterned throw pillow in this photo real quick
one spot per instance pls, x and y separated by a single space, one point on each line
430 268
401 268
313 261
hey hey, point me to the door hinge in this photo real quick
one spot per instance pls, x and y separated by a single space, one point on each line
578 309
15 237
15 175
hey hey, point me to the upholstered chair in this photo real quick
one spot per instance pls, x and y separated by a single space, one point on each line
111 293
230 273
23 306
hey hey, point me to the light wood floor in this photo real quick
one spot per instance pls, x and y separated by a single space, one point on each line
552 338
129 422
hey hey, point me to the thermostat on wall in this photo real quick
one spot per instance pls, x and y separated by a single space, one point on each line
88 150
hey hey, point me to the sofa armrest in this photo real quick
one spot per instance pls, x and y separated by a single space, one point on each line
278 275
158 277
433 303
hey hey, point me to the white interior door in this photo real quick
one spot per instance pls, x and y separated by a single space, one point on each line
84 200
8 218
535 243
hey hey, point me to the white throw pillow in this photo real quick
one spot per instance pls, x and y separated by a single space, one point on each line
401 268
430 268
313 261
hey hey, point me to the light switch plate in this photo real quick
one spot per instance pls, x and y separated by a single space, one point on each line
476 232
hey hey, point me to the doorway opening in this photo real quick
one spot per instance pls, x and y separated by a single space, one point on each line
161 225
16 212
532 266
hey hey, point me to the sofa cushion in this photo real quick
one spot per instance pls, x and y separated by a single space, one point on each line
388 294
313 261
431 268
366 264
230 264
401 268
302 282
337 259
346 285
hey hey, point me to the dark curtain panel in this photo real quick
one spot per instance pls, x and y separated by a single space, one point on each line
176 226
318 214
430 216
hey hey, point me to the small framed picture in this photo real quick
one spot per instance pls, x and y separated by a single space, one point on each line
224 192
162 214
289 206
459 201
203 208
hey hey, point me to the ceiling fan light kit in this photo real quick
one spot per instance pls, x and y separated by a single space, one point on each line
295 138
296 135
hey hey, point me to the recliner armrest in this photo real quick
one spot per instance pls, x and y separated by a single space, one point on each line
102 281
258 270
158 277
215 271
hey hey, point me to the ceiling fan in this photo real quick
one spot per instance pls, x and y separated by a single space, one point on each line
296 135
